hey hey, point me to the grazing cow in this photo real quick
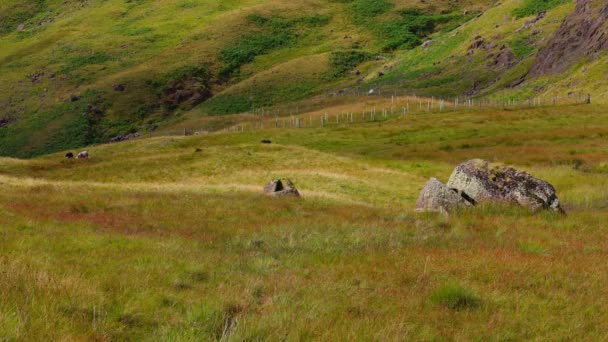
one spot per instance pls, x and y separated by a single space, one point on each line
266 141
69 155
83 155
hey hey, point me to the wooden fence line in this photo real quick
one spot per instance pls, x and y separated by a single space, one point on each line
399 107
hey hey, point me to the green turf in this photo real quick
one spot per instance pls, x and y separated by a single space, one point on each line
152 240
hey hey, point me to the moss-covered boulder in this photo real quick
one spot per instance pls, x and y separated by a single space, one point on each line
486 182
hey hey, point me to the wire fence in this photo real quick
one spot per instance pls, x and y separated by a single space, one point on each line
382 107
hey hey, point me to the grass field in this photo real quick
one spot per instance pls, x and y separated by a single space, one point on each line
151 240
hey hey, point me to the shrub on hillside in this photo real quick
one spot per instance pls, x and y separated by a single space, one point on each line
245 50
533 7
272 33
521 47
405 31
341 62
364 10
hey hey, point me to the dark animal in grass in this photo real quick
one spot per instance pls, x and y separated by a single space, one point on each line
198 150
83 155
69 155
281 188
266 141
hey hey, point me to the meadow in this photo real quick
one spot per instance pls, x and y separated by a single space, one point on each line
151 240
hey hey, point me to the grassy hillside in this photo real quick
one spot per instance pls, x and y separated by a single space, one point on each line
151 240
79 72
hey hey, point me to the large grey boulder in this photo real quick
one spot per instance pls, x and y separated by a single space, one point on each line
486 182
281 188
436 196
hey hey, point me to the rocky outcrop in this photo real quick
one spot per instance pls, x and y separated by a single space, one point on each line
124 137
478 43
583 34
504 58
4 122
185 93
478 181
436 196
530 23
281 188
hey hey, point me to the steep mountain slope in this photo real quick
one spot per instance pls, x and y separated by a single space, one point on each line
79 72
82 71
584 34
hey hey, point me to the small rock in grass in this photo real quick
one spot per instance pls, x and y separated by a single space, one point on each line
436 196
281 188
427 43
180 285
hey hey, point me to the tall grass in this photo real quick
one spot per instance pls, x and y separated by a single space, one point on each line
150 239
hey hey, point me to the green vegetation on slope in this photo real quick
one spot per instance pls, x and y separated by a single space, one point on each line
260 54
137 43
408 30
343 61
274 33
69 125
17 12
533 7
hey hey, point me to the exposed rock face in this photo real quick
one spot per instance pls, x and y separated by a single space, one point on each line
4 122
530 23
584 33
503 59
281 188
124 137
436 196
36 76
484 182
185 93
478 43
427 44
